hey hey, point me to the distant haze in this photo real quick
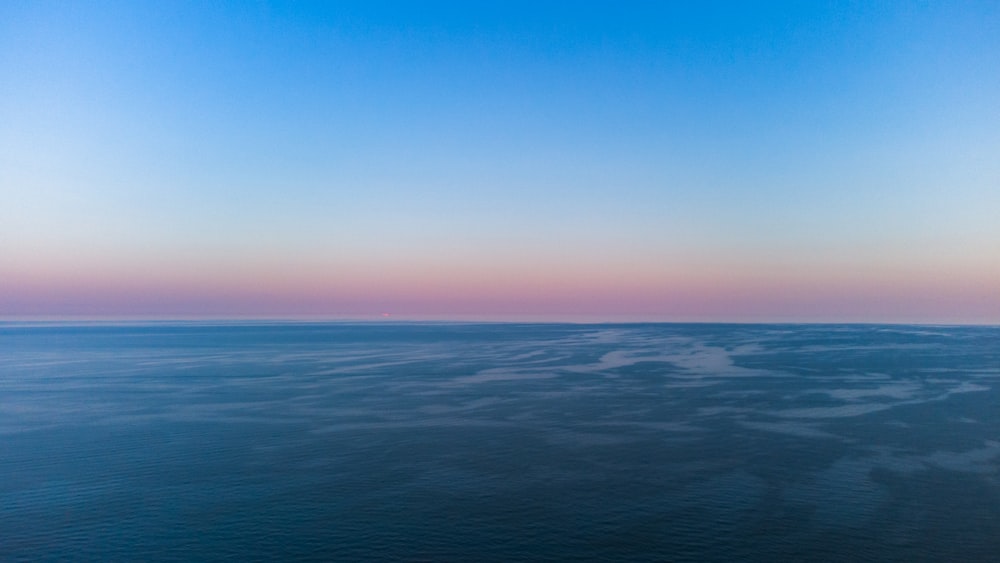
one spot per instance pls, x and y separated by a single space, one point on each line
718 161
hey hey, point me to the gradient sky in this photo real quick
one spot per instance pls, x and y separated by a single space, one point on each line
718 161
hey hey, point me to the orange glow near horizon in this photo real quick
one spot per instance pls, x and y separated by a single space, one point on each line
489 291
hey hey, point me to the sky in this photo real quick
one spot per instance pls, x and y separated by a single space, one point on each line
664 161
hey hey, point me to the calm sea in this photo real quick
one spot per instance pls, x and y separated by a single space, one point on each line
498 442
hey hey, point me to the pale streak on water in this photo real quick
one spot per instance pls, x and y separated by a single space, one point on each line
498 442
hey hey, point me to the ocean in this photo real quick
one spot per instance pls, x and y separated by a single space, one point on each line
498 442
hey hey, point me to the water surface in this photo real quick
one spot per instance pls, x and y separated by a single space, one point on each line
498 442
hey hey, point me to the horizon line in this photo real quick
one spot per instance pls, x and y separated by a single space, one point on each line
459 319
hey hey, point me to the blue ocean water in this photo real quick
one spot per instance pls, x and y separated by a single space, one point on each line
498 442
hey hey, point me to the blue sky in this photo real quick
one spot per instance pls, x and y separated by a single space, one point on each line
725 160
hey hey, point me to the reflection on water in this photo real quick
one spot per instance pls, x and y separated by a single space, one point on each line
498 442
